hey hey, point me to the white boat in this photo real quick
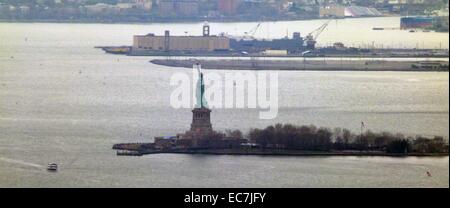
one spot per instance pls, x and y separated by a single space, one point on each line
52 167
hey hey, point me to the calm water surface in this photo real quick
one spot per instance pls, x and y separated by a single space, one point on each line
63 101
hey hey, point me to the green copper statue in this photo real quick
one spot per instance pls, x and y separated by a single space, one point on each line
200 90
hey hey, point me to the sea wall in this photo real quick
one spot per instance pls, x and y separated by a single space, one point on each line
314 65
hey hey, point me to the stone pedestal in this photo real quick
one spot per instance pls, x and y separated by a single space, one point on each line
201 122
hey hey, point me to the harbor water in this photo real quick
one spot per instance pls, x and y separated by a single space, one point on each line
63 101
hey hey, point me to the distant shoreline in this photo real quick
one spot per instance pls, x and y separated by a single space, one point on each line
180 20
94 21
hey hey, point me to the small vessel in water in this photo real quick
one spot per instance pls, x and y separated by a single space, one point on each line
52 167
115 49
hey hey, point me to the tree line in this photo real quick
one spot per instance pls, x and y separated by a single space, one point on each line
312 138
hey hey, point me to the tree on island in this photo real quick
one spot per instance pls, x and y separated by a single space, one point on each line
311 138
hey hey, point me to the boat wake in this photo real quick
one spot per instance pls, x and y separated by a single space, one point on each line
20 162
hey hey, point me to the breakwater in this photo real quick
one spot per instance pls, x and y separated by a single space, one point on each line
311 65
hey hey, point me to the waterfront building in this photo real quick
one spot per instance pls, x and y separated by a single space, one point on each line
24 9
165 142
358 11
166 8
178 8
125 6
100 8
180 43
207 42
407 7
227 7
332 11
187 8
416 22
145 4
349 11
3 8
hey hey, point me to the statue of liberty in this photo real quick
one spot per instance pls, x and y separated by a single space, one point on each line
201 119
200 89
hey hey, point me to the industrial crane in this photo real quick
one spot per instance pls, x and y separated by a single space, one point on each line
312 36
252 32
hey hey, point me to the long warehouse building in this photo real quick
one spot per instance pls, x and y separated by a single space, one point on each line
181 43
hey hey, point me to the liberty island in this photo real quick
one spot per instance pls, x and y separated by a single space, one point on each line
280 139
